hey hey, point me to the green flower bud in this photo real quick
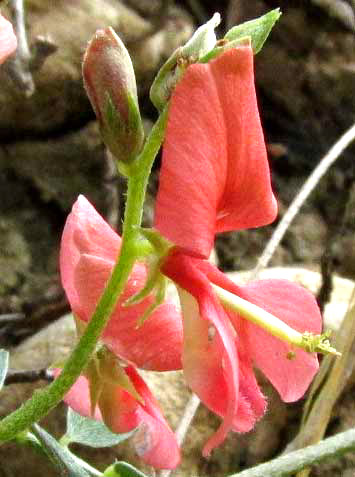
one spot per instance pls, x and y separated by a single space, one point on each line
111 86
202 41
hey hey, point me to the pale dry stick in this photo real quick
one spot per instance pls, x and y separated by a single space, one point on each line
325 393
340 10
26 61
184 424
18 66
332 155
310 184
288 464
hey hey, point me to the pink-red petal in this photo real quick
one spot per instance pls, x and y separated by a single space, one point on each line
251 402
78 397
157 344
87 232
215 173
297 307
8 40
89 249
154 441
210 365
292 304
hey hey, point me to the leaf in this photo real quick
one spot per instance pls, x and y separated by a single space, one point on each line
59 455
90 432
122 469
4 364
258 30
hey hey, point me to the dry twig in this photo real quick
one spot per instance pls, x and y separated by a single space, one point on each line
28 376
328 160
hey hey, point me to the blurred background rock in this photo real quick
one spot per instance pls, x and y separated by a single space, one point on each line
50 151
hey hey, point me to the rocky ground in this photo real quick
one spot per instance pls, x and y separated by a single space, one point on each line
50 151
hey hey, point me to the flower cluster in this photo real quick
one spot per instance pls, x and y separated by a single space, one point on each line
88 253
214 178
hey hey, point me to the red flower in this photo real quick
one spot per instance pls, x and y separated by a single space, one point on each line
89 250
154 441
8 40
215 177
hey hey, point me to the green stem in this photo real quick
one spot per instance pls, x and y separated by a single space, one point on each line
31 442
293 462
59 455
273 325
44 400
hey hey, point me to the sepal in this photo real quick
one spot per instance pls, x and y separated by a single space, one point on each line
257 30
203 40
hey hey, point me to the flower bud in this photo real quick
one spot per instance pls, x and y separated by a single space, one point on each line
111 86
202 41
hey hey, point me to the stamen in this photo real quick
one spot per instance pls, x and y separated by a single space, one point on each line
308 341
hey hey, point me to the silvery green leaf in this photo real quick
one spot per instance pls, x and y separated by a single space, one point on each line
90 432
122 469
59 455
258 30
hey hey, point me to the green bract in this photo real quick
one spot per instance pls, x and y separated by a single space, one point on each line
203 40
258 30
203 47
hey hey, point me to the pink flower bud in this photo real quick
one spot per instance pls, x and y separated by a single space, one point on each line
8 41
111 86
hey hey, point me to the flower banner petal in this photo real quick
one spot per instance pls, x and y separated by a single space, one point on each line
215 173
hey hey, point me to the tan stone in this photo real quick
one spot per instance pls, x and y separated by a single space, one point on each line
59 99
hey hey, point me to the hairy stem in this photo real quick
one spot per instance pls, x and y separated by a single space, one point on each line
44 400
294 461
